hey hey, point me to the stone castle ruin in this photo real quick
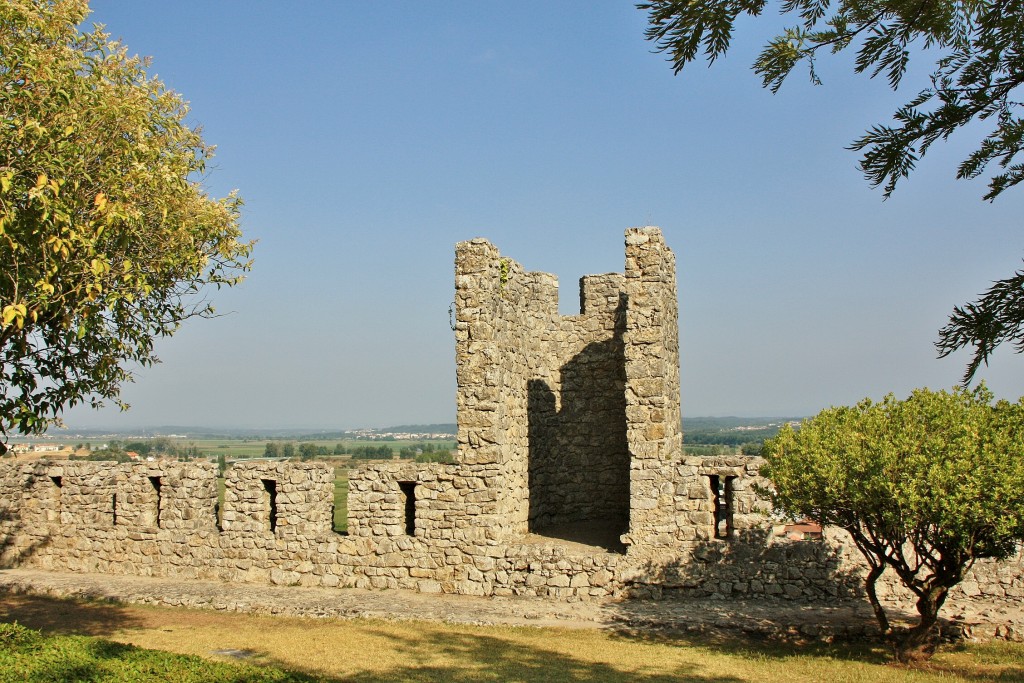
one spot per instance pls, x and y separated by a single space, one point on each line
570 480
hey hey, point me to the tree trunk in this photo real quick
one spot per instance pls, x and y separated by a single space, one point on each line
869 586
918 644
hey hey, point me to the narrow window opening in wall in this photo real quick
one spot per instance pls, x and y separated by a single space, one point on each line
730 506
155 481
113 510
218 507
339 510
716 504
270 486
722 501
58 484
408 489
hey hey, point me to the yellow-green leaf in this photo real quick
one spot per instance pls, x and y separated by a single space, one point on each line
14 313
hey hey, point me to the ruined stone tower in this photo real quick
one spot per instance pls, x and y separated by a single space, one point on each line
578 415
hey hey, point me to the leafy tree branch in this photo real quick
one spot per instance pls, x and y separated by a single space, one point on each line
976 81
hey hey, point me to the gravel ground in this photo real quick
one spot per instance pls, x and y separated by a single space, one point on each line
976 620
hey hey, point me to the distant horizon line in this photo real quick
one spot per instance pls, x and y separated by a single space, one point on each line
300 428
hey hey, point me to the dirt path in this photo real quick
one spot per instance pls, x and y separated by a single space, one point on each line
765 619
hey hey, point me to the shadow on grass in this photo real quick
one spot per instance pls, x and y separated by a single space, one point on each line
463 658
490 658
865 652
993 661
65 617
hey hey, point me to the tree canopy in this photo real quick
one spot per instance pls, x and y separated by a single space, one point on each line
924 486
978 47
107 237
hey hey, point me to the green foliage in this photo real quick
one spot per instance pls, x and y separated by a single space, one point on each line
372 453
707 450
924 486
307 451
441 456
141 447
726 438
426 452
107 238
752 448
504 268
979 50
17 636
997 317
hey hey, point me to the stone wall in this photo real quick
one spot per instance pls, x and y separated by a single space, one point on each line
569 483
277 499
447 551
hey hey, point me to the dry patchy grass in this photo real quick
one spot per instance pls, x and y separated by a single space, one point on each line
360 650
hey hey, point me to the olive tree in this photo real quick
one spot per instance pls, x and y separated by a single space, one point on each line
107 238
924 486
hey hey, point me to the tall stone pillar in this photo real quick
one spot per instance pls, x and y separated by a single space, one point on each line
478 353
654 433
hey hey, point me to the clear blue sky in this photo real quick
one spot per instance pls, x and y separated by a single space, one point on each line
368 138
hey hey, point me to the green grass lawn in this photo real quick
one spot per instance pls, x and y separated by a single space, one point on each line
27 655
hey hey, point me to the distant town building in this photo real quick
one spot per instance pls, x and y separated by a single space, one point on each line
804 530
